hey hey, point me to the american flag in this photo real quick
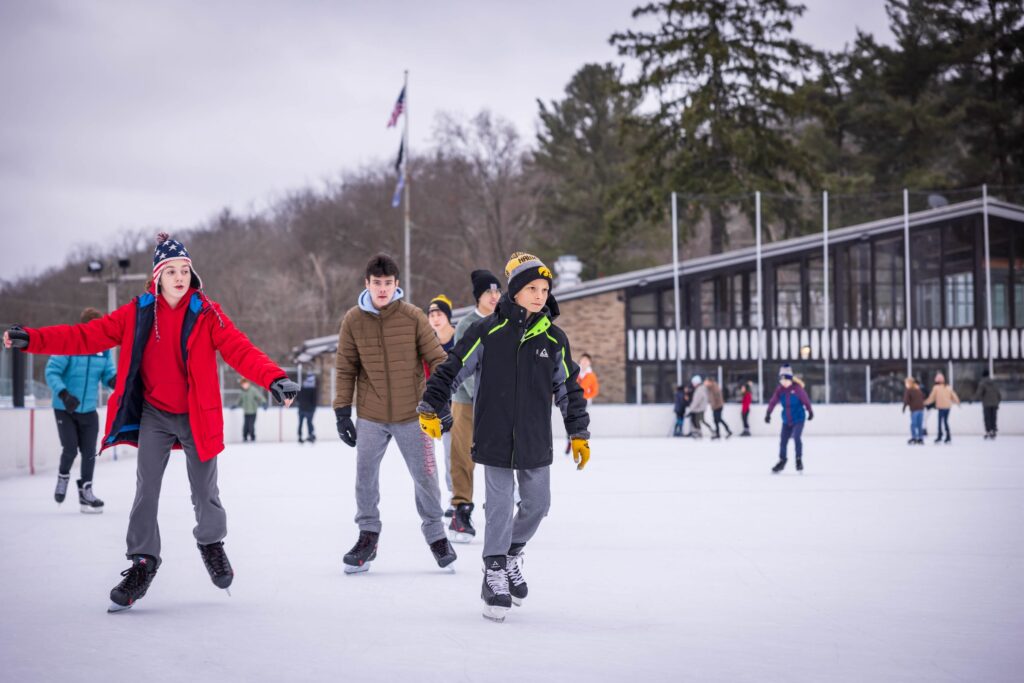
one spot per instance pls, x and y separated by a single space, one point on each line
397 111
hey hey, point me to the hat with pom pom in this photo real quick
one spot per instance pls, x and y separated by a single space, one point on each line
168 250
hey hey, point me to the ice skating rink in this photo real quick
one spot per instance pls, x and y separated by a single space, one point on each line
666 560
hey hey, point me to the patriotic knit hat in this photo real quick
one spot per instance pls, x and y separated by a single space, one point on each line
522 269
168 250
171 250
786 372
483 281
443 304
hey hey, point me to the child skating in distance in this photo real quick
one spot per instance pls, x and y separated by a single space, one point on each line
796 409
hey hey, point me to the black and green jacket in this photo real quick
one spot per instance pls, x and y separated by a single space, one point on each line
519 362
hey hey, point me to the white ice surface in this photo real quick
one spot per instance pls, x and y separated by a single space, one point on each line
664 560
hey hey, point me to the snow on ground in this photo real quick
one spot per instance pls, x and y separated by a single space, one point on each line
664 560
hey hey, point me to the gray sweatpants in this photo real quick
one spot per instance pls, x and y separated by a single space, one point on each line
446 442
157 433
418 450
504 525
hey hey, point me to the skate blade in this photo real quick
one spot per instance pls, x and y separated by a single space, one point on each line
349 569
460 537
518 602
496 614
115 608
228 591
89 510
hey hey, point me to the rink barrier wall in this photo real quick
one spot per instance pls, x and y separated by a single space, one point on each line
30 444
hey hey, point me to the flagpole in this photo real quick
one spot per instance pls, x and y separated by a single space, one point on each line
405 172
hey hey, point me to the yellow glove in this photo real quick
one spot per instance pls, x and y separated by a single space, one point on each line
431 425
580 452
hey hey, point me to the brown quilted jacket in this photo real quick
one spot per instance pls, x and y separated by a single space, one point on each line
380 358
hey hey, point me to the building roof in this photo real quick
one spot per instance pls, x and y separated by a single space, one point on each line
311 348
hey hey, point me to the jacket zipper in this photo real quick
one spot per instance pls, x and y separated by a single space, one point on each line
387 371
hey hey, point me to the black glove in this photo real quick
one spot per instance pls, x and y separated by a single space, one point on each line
767 418
283 388
112 384
18 337
346 430
810 416
70 402
446 419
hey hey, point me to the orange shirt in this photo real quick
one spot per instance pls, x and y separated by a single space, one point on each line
588 382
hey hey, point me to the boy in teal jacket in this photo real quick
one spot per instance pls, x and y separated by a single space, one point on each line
74 383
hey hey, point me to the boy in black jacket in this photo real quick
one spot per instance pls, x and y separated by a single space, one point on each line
519 359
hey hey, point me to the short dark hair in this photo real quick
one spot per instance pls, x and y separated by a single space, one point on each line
381 265
587 356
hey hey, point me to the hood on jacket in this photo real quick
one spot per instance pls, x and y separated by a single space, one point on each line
366 301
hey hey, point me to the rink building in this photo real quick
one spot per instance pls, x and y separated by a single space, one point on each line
626 322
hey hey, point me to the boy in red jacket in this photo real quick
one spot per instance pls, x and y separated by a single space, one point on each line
167 397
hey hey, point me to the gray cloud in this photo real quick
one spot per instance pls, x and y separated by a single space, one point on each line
118 115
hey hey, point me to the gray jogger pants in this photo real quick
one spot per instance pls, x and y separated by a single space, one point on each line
157 433
505 526
418 450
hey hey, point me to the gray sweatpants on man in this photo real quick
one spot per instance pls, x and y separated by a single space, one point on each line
504 525
418 450
157 433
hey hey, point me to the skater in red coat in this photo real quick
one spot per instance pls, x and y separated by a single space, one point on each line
167 397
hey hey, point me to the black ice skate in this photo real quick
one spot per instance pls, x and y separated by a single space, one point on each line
745 432
450 512
62 487
799 465
494 592
460 529
363 552
514 569
779 466
443 552
217 564
134 584
88 502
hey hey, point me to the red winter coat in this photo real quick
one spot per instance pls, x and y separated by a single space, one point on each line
206 330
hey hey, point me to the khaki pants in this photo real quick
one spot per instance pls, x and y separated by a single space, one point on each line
462 459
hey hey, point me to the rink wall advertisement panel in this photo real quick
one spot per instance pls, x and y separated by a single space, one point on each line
30 440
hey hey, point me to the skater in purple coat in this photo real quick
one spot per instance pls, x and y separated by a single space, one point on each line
796 408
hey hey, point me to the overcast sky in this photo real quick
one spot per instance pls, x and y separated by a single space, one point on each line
119 114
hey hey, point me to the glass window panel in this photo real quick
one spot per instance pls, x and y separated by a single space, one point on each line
999 255
668 308
960 300
925 258
889 285
788 300
856 272
707 303
816 291
736 300
643 311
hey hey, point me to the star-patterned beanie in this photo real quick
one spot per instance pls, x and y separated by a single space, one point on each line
168 250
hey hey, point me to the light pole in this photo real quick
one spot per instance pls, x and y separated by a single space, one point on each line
114 276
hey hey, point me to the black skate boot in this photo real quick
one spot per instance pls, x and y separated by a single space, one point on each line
460 529
88 502
62 487
443 552
514 569
799 465
363 552
216 561
450 512
494 592
779 466
134 584
745 432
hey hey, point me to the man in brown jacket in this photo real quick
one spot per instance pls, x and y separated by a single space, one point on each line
717 404
382 347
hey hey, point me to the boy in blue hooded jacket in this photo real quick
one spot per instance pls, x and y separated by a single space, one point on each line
74 382
796 409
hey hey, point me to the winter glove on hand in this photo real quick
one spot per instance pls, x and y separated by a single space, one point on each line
430 423
446 420
580 452
70 402
283 389
346 430
767 418
112 384
810 416
15 337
